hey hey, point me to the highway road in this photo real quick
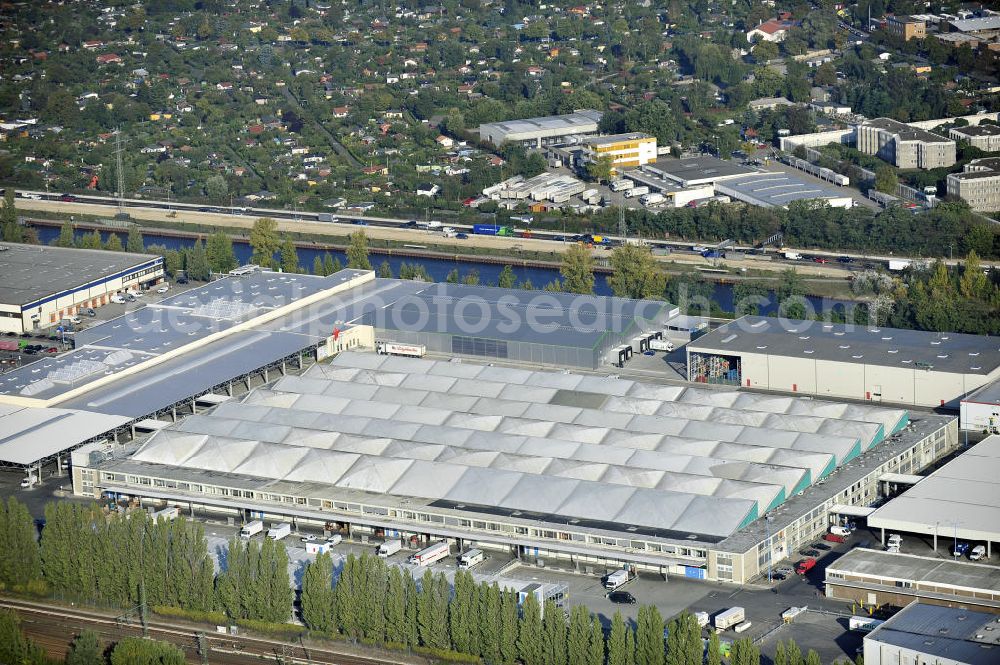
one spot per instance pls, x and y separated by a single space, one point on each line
53 627
407 230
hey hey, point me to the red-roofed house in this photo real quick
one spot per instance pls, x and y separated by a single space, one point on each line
109 59
770 31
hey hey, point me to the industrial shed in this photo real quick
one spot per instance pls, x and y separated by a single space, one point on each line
845 361
959 501
562 329
571 464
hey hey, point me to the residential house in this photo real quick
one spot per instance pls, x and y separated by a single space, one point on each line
774 30
427 189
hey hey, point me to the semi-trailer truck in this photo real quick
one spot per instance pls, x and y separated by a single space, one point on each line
729 618
621 185
429 555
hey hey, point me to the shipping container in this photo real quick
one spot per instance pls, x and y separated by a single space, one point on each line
863 624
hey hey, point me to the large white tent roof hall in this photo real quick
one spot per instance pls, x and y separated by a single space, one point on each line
609 453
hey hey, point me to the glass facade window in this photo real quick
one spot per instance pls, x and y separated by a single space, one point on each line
479 346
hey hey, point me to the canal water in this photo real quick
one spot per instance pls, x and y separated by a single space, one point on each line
438 269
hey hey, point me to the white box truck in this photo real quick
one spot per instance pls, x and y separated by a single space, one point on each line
898 264
701 618
729 618
636 191
793 256
617 578
471 558
652 199
389 547
251 529
621 185
318 547
279 530
861 624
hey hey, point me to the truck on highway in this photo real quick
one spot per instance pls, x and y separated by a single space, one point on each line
251 529
793 256
470 558
326 217
279 530
429 555
621 185
492 230
729 618
651 199
389 547
633 192
860 624
430 225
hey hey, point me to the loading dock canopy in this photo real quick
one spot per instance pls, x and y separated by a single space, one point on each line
960 500
28 435
851 511
900 478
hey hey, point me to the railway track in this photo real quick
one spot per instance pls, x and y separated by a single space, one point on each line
53 627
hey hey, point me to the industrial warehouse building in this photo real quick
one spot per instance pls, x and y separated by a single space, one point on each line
40 285
923 634
597 470
846 361
959 501
980 410
775 189
877 579
539 132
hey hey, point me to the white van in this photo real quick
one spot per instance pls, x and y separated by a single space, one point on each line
840 530
118 298
978 552
895 539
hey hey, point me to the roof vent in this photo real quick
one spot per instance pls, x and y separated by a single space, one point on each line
943 355
803 336
874 330
860 355
935 343
893 351
808 351
973 353
845 346
728 339
975 369
839 333
764 346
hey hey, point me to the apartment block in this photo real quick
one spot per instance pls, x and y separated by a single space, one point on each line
906 27
985 137
978 185
625 150
904 146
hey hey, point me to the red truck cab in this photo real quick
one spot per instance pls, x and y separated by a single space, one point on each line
804 566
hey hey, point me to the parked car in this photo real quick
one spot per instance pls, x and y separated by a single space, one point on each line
845 259
821 546
462 236
834 538
309 538
978 552
52 349
89 311
777 577
809 552
68 198
785 570
820 259
622 598
181 280
163 289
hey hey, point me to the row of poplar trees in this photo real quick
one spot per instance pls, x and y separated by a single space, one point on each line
380 604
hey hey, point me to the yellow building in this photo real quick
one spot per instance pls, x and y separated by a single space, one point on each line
625 150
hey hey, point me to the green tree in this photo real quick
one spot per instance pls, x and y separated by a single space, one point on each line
410 611
114 243
289 255
578 637
507 278
395 607
529 632
600 169
635 273
790 291
221 256
649 637
21 561
141 651
713 655
886 179
793 653
357 251
255 584
318 610
318 265
133 242
488 621
684 645
471 278
173 262
744 652
66 237
85 650
11 230
595 645
577 270
216 187
196 263
91 240
812 658
617 653
553 634
974 283
264 241
508 626
432 611
452 277
385 270
330 265
15 648
348 597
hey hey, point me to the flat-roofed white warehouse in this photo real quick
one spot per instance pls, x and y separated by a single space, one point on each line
870 363
961 500
600 458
